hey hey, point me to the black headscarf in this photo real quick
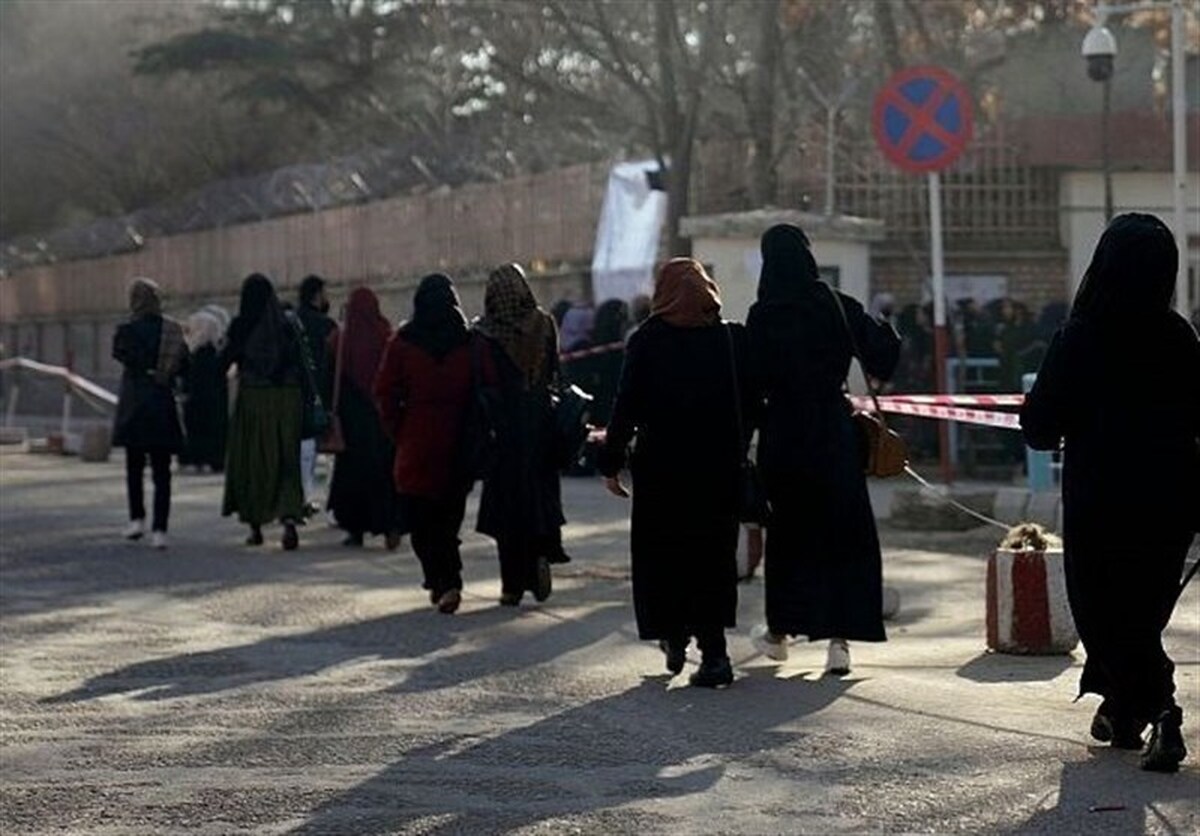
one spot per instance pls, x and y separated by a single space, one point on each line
258 336
1132 274
437 324
788 266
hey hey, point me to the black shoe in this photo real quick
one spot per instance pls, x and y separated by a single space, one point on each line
256 537
543 583
558 556
511 599
1111 727
354 538
1165 750
392 540
676 653
291 539
713 673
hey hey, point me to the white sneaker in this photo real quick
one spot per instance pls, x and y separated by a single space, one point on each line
837 662
158 540
768 644
135 530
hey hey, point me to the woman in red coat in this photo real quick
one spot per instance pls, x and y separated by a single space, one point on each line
422 390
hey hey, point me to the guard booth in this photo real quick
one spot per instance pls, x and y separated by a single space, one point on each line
728 245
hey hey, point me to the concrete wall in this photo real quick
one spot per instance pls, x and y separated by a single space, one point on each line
1082 211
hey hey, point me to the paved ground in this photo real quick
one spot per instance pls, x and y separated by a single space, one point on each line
216 689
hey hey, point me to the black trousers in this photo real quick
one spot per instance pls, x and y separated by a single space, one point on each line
518 559
433 526
160 468
1122 600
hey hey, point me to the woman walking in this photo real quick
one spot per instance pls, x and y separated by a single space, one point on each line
1120 390
361 495
679 395
824 576
152 351
206 408
423 390
262 475
521 506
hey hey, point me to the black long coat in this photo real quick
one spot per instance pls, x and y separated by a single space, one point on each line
1125 403
676 396
147 416
522 496
823 565
206 411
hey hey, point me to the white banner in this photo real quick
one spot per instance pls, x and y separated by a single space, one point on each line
631 222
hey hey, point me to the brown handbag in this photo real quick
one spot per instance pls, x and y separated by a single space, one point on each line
886 453
333 441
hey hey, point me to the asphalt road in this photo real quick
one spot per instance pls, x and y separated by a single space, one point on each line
217 689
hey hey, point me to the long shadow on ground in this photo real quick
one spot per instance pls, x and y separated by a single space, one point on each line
643 743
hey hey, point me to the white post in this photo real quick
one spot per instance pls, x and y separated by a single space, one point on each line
1178 119
66 415
941 342
937 265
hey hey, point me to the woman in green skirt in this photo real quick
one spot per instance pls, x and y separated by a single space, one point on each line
262 471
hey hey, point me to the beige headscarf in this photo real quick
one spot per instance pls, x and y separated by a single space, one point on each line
685 295
203 328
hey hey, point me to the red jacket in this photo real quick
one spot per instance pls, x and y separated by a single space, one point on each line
422 401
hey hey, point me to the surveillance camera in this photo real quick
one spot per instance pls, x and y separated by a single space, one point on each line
1099 49
1099 67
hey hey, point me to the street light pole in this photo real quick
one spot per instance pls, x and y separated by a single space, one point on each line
1179 163
1105 152
1099 47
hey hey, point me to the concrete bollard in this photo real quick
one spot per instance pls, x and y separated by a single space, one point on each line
1027 608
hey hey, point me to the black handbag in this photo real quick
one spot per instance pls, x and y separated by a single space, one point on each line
753 505
571 408
479 442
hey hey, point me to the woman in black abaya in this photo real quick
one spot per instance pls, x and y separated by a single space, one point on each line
824 576
1120 390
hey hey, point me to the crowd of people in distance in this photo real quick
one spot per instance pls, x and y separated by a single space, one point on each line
418 415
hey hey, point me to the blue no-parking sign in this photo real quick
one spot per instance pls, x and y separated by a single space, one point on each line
923 119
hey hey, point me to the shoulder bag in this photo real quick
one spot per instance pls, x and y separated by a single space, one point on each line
886 453
753 506
572 410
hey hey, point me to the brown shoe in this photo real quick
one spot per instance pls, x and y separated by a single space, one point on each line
449 601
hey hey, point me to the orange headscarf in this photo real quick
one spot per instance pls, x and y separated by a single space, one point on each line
685 295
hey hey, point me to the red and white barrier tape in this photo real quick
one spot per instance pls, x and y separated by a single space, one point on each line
981 417
568 356
959 400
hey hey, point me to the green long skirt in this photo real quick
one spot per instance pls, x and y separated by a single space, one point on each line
262 468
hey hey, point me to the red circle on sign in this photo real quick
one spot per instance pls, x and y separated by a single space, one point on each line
922 119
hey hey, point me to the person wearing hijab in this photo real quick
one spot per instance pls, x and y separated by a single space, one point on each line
824 577
1119 390
684 375
361 494
316 326
151 349
423 391
521 506
262 474
206 407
